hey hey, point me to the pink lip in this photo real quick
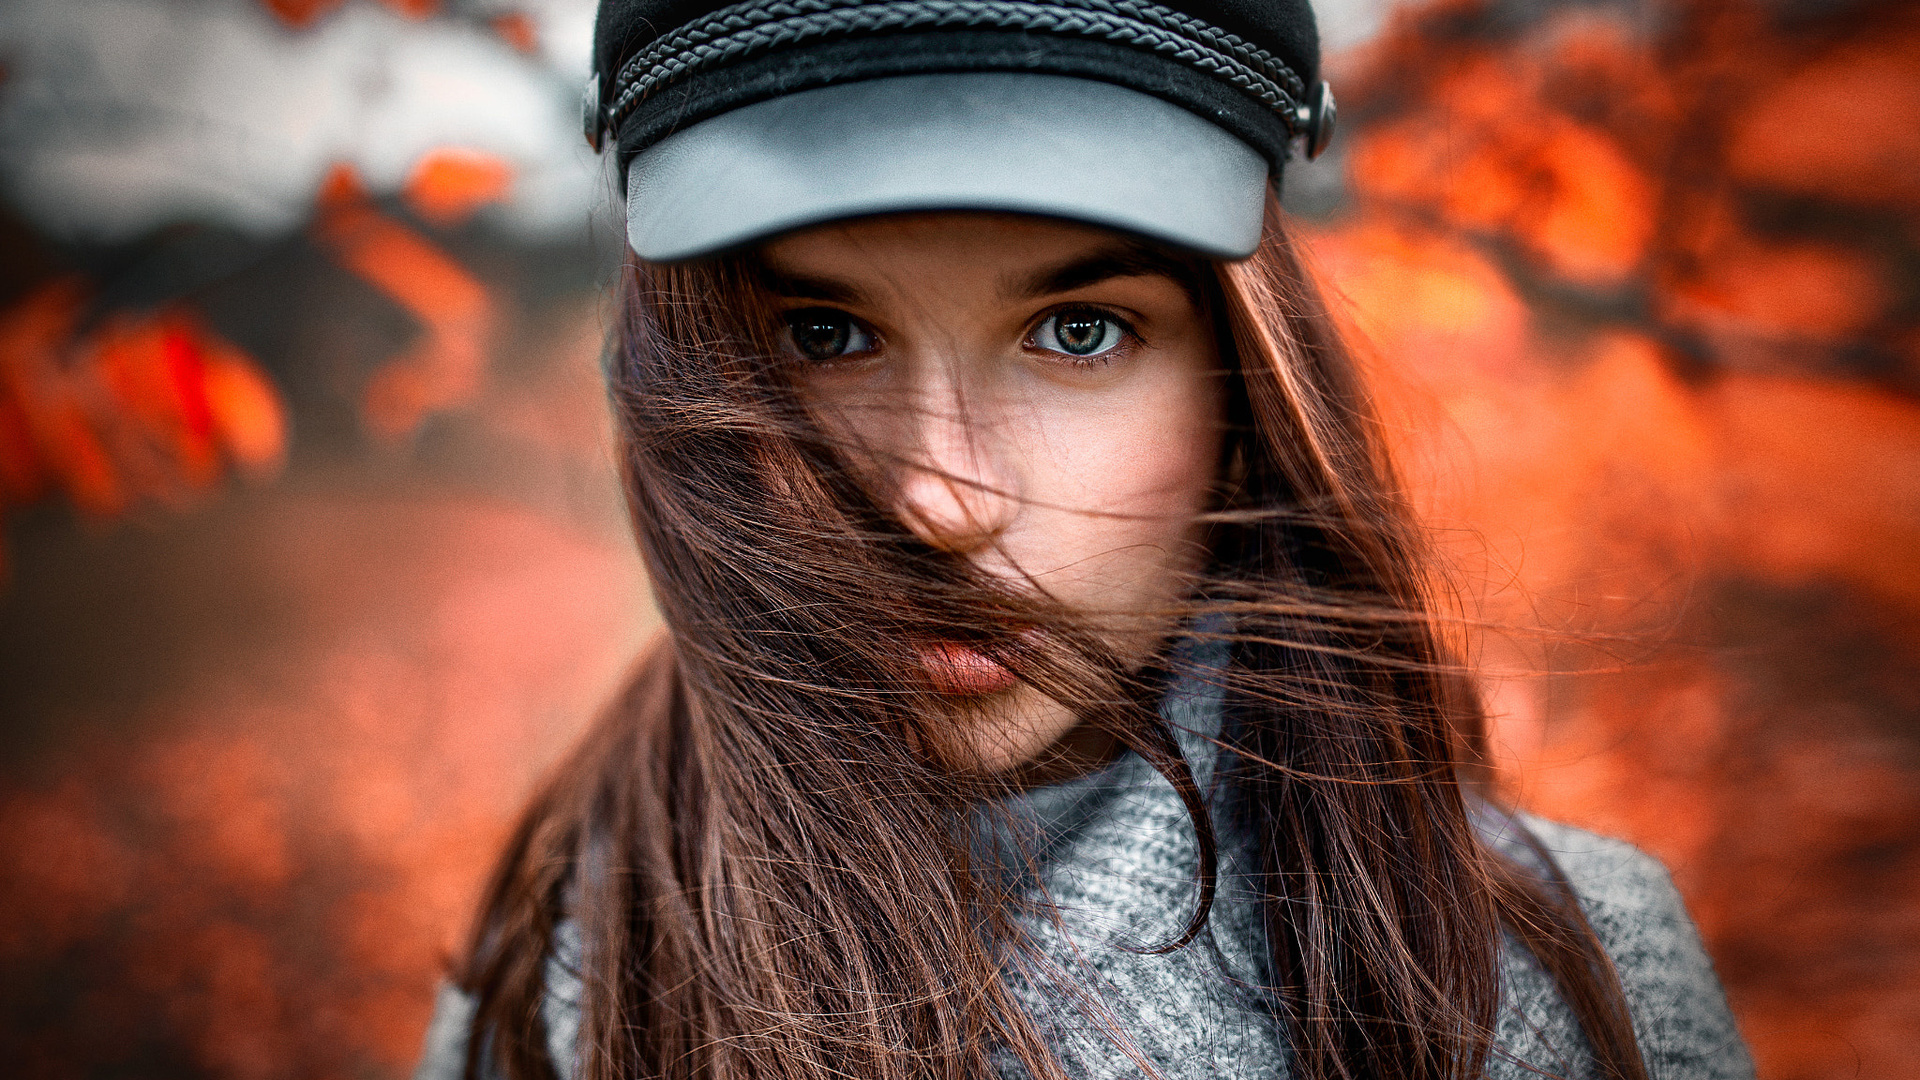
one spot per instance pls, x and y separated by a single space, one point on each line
957 669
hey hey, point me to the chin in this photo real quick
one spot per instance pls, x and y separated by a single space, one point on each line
997 733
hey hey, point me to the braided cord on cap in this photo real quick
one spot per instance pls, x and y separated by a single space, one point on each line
756 26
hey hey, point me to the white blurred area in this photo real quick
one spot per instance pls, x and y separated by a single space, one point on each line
120 116
1345 24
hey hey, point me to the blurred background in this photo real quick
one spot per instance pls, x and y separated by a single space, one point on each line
314 557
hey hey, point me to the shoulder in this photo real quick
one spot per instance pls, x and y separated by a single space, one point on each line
1680 1012
443 1053
1626 893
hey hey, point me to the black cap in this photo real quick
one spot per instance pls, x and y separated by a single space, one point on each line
1247 69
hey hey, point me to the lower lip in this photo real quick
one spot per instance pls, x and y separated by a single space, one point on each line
961 671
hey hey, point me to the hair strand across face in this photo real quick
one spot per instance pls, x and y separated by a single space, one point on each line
770 858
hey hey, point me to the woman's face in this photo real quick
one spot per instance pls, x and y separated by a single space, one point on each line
1044 398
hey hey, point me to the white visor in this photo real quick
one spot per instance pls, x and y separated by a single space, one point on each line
1052 145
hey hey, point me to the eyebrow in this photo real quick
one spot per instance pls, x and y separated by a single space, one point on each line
1118 261
804 287
1123 260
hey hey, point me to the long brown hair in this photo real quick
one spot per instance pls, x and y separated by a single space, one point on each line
770 870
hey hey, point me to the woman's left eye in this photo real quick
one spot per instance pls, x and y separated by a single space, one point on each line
1082 333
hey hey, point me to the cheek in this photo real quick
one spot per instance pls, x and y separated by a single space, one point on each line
1148 458
1153 452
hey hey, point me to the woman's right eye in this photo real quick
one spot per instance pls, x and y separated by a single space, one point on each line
823 334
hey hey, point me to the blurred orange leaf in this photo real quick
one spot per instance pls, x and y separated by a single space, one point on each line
414 9
448 184
452 306
144 406
300 14
518 29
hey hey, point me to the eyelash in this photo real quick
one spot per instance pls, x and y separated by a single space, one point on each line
862 339
1126 336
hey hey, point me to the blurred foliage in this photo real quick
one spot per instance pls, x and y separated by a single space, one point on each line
1638 289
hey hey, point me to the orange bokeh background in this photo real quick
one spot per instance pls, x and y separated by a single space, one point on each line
1641 299
313 570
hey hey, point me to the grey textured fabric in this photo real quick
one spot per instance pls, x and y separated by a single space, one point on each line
1115 853
1117 856
443 1054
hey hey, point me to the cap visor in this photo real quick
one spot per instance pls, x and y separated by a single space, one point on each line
1052 145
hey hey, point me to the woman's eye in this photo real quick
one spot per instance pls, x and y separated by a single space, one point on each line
1081 332
822 334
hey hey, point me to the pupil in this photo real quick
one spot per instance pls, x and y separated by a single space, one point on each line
1079 334
821 337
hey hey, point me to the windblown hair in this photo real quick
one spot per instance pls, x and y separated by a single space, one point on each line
770 866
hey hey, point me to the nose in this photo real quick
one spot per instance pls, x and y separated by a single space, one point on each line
956 492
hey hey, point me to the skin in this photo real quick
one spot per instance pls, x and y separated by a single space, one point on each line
1077 475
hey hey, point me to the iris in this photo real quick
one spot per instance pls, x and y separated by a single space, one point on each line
822 334
1080 332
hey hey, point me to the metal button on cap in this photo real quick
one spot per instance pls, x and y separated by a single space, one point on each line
1317 120
590 111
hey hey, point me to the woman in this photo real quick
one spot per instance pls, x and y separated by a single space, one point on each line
1053 683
